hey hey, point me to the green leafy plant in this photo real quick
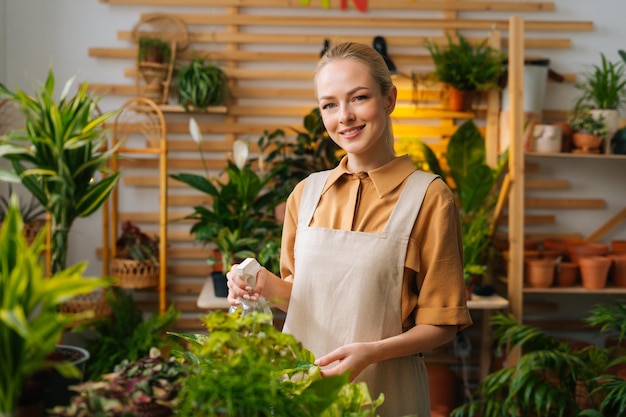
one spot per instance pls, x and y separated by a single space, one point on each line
126 334
201 84
244 366
291 161
604 87
60 156
552 378
137 245
152 49
476 185
146 386
583 121
30 321
464 66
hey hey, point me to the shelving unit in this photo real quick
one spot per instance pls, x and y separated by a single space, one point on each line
139 129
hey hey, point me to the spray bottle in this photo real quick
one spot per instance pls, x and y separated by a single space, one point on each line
248 270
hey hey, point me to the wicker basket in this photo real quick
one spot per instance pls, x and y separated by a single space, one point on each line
134 274
95 301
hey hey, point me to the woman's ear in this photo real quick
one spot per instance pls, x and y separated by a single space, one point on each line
391 99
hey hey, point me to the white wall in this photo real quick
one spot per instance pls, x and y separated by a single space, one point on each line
35 34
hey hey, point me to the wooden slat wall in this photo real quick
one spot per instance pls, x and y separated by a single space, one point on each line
269 49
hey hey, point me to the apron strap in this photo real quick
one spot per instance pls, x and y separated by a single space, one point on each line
409 204
311 196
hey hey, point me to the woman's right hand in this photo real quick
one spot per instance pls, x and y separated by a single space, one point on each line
239 288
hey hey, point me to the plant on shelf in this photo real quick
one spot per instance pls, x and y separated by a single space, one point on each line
604 87
201 84
60 157
466 67
477 187
30 322
153 50
553 377
136 259
240 218
588 131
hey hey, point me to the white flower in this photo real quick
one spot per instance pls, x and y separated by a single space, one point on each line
240 153
194 129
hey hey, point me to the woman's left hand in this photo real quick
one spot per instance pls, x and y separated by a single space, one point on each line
354 357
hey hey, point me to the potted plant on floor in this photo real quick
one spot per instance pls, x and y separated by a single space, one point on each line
61 157
30 322
465 68
553 377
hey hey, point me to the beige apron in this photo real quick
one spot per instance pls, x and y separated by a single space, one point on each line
347 288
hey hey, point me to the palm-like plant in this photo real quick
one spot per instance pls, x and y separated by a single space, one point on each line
552 378
604 87
58 157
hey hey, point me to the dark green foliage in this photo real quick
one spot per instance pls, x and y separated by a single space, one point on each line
604 86
553 378
153 50
200 85
126 335
464 66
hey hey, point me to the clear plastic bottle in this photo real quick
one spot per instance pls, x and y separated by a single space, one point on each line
248 270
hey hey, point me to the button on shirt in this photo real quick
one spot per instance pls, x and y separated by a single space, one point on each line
433 288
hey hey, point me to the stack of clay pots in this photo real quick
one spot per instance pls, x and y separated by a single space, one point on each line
567 263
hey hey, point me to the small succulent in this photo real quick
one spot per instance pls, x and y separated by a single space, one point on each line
145 387
584 121
137 245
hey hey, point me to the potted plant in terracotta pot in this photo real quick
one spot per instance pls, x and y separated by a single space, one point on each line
201 84
588 132
603 90
467 69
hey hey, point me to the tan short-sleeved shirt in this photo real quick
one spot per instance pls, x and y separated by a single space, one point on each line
433 288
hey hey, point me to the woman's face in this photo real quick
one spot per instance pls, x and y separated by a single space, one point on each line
353 108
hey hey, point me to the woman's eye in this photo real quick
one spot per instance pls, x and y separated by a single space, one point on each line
360 98
328 106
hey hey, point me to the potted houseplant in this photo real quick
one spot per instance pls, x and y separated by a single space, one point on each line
153 50
588 131
603 91
239 219
201 84
554 377
60 157
477 187
30 322
465 68
136 260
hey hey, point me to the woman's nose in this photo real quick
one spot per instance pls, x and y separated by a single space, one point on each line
347 115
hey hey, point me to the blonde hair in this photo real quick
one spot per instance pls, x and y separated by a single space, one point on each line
375 64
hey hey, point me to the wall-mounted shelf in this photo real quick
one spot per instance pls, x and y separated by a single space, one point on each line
575 155
575 290
177 108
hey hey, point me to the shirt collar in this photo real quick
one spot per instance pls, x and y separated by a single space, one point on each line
385 179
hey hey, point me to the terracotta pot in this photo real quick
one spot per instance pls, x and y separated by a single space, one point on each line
619 269
566 274
442 383
579 250
618 246
560 245
594 271
540 272
586 142
459 100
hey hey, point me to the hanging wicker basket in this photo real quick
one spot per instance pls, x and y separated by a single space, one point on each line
130 273
95 301
32 229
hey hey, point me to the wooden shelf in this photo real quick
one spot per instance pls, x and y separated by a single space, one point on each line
177 108
575 290
575 155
